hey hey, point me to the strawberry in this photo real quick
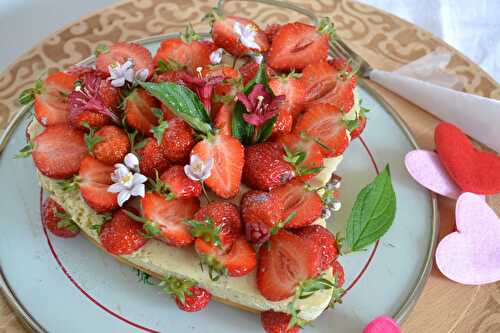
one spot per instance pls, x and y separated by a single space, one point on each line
225 33
93 119
196 299
239 261
316 235
277 322
122 235
284 122
250 69
179 184
95 178
265 168
338 273
119 53
296 198
271 30
260 211
324 124
361 127
168 216
58 151
109 95
177 141
227 154
284 264
294 91
51 104
223 119
113 145
303 153
297 45
189 53
328 84
222 215
138 111
55 218
152 159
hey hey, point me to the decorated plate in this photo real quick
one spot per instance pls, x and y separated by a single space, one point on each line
56 283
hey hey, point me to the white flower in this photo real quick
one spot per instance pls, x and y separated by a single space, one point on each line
142 74
258 58
197 169
126 182
122 73
216 56
247 35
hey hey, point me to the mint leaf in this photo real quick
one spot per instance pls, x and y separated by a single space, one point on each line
183 102
373 212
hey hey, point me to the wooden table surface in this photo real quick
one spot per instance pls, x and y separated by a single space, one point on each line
387 42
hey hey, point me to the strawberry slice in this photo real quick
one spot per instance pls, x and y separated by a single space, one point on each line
324 124
303 153
239 261
58 151
122 235
296 198
95 178
121 52
169 216
138 111
192 54
277 322
223 119
227 154
316 235
284 264
51 105
55 218
179 184
297 45
226 34
294 91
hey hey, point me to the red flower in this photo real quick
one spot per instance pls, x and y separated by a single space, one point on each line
260 105
204 87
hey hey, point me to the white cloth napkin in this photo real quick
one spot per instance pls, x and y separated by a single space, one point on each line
425 83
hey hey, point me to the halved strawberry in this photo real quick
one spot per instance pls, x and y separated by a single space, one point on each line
271 30
51 105
239 261
113 145
297 45
177 141
152 159
121 52
95 178
261 211
265 168
303 153
169 216
284 264
284 122
138 111
223 215
122 235
59 151
294 90
55 218
296 198
316 235
179 184
250 69
324 124
226 33
223 119
277 322
191 54
227 154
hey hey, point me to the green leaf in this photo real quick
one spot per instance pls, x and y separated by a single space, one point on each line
241 130
281 224
90 138
327 27
28 95
351 125
26 150
182 102
100 49
161 127
70 185
177 287
144 277
161 188
266 130
373 212
150 227
189 34
206 230
260 77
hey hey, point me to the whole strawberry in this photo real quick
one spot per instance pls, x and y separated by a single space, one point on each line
177 141
188 296
338 273
277 322
121 235
55 218
265 168
179 185
152 159
112 146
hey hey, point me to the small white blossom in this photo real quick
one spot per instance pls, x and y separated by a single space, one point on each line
216 56
336 206
247 35
127 180
258 58
142 74
121 73
197 169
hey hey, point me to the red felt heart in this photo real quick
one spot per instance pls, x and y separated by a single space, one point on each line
473 170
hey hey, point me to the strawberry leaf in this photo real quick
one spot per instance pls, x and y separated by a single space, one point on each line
26 150
161 127
266 130
373 212
182 102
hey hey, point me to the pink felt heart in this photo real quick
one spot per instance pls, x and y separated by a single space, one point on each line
382 324
471 255
426 168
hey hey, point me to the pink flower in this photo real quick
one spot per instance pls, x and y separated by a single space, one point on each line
204 87
260 105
